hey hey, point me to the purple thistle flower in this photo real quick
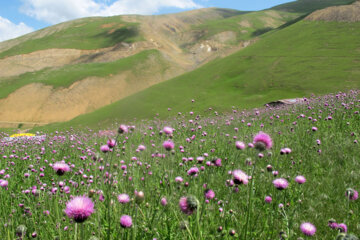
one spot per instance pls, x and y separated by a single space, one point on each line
168 145
80 208
179 179
262 141
163 201
111 143
104 148
268 199
351 194
239 145
281 183
123 198
126 221
3 183
123 129
60 168
332 224
342 227
209 194
141 147
300 179
240 177
188 204
168 130
192 171
308 229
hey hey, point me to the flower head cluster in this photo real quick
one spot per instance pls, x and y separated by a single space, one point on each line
80 208
281 183
61 168
168 145
240 177
308 229
188 204
262 141
126 221
351 194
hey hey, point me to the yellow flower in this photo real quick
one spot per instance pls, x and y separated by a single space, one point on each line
23 135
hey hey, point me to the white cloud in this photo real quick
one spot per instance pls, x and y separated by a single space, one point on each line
55 11
9 30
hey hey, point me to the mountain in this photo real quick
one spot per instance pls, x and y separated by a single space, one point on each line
77 67
347 13
301 59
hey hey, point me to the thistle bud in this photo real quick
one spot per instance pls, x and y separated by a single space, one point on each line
139 197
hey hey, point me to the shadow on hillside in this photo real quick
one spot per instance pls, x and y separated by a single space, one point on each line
261 31
291 22
124 34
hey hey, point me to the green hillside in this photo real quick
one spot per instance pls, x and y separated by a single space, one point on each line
307 6
86 33
304 58
251 24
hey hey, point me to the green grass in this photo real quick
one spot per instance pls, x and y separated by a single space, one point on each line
260 21
67 75
258 24
304 58
36 196
307 6
87 33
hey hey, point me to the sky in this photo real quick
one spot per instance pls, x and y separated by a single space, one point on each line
18 17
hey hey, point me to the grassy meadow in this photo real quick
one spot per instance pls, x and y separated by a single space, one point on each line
317 139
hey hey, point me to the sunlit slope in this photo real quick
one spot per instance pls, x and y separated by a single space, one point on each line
304 58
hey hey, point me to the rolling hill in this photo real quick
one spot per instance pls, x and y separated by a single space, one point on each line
307 57
77 67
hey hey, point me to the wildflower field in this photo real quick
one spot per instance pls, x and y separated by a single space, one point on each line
289 172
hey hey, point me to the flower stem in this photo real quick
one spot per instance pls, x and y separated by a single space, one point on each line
251 186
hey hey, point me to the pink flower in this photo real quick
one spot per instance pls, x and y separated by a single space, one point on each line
262 141
126 221
123 198
111 143
104 148
80 208
60 168
168 145
300 179
342 227
168 130
141 147
188 204
239 145
240 177
332 224
209 194
123 129
164 201
268 199
351 194
281 183
308 229
3 183
192 171
179 179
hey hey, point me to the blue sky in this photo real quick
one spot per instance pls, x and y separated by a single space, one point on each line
18 17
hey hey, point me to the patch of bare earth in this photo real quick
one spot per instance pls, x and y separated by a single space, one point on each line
346 13
36 102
